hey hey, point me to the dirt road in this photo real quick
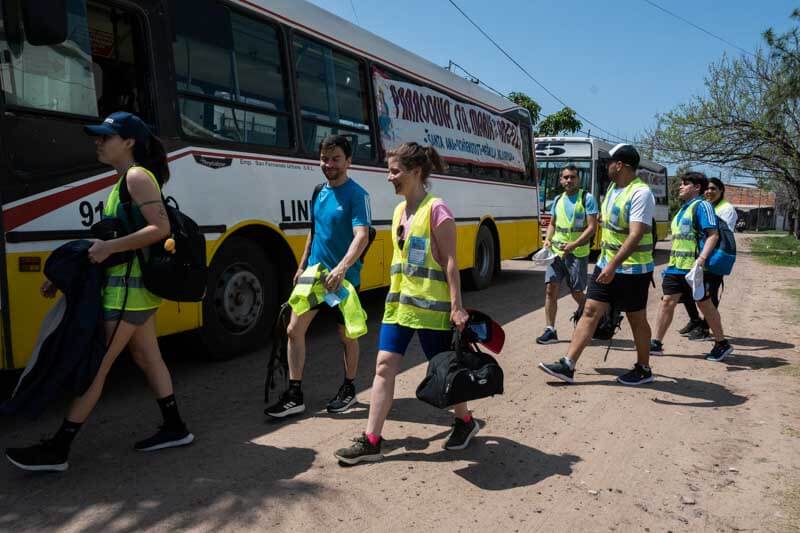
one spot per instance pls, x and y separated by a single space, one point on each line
707 447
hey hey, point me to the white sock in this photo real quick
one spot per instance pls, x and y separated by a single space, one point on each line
551 328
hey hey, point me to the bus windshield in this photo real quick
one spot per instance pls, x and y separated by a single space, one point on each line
549 186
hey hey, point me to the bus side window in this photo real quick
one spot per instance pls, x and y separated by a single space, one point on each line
230 77
332 92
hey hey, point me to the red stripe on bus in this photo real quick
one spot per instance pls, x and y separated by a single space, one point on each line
22 214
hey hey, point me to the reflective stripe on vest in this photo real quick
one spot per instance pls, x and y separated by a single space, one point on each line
310 292
616 227
572 230
419 296
683 251
139 298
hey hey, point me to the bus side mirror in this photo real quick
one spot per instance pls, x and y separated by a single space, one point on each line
45 21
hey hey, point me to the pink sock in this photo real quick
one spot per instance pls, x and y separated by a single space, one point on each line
373 439
467 419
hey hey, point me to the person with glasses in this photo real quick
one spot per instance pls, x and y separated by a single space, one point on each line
624 270
574 221
697 328
695 234
424 295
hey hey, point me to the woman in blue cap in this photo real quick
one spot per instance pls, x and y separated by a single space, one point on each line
125 143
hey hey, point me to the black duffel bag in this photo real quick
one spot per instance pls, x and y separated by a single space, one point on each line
460 375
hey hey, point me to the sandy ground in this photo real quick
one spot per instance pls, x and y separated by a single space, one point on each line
707 447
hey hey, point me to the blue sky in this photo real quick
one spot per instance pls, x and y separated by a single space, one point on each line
619 63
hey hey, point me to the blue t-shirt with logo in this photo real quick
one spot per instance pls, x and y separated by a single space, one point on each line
337 210
704 219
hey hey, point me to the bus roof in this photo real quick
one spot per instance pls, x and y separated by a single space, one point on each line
599 148
327 26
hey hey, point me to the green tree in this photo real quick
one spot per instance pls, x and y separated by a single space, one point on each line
748 121
563 121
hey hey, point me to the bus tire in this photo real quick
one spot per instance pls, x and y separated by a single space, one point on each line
480 275
241 300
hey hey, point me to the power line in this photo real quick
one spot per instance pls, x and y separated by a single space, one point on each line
528 74
353 7
693 25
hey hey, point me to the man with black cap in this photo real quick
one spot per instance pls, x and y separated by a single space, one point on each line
624 270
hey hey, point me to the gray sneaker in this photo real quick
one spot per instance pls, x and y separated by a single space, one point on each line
361 451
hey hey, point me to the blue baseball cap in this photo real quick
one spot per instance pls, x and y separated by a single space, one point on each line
124 124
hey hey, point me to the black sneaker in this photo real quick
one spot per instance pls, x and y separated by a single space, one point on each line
656 347
720 351
344 399
638 376
361 451
559 369
461 434
290 403
699 333
548 337
689 327
42 457
165 438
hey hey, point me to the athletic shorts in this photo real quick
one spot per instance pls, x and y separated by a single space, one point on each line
626 292
574 270
324 308
676 284
137 318
395 338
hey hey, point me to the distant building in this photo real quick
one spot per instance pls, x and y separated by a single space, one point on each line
753 205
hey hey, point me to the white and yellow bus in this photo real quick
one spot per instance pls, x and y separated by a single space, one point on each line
590 155
242 92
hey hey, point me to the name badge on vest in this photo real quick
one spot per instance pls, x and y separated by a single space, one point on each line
417 246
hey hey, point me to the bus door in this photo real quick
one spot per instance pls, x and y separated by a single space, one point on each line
53 187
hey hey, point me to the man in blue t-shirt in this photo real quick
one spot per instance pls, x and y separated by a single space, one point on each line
695 218
341 216
572 263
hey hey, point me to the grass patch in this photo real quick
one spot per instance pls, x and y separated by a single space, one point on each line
791 508
781 251
789 370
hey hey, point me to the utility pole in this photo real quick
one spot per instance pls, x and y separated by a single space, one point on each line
758 212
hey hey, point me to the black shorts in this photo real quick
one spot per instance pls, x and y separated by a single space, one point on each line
626 292
323 308
677 284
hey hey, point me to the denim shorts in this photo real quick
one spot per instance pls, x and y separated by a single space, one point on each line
396 338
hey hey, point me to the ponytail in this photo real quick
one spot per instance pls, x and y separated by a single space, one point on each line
425 157
153 156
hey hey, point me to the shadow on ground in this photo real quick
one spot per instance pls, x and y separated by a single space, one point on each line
709 394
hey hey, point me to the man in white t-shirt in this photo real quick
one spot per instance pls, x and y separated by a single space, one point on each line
624 272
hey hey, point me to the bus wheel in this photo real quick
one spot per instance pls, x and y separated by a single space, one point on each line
482 271
241 300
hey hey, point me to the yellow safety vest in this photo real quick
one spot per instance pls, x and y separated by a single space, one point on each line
139 298
616 227
419 296
722 203
310 292
567 230
683 251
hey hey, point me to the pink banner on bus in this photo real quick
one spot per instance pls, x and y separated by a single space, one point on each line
461 133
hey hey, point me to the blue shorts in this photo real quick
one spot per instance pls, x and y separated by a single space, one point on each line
395 338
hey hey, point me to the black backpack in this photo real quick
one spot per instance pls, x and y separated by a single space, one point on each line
181 276
372 231
459 375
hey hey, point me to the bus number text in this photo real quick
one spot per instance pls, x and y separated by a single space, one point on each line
87 212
